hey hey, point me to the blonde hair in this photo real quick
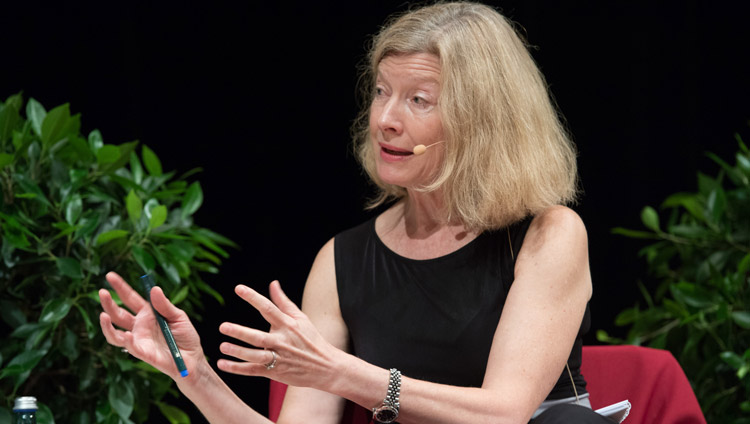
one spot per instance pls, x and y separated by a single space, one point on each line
507 155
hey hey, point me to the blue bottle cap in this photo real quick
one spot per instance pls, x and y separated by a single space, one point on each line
184 373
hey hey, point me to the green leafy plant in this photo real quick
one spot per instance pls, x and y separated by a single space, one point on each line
700 309
73 208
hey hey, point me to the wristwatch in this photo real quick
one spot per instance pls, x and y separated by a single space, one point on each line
388 411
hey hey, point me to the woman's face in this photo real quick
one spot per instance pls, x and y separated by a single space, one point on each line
404 114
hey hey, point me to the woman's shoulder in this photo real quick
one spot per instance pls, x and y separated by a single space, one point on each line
358 231
557 220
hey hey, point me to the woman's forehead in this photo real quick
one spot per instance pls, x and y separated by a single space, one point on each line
422 67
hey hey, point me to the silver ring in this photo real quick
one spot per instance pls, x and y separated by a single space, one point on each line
124 350
271 365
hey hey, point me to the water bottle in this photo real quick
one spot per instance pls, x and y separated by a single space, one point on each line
24 410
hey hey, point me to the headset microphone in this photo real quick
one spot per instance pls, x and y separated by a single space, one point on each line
421 148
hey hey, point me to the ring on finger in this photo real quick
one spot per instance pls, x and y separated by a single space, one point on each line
272 364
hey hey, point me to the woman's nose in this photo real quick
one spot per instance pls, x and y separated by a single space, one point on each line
390 118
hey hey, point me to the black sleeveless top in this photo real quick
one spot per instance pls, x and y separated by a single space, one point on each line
433 319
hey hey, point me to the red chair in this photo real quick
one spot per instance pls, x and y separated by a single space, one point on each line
651 379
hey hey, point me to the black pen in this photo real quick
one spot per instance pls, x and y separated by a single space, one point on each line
148 284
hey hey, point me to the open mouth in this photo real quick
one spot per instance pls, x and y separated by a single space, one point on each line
397 152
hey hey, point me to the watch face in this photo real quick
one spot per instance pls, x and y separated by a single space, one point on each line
386 414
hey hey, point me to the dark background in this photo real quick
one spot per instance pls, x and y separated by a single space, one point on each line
261 97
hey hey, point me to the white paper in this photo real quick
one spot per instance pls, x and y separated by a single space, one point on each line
617 411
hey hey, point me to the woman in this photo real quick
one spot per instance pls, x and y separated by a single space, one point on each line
474 283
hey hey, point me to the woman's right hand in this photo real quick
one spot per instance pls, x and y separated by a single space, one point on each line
140 333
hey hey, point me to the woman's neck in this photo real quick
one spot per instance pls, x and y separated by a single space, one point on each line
418 227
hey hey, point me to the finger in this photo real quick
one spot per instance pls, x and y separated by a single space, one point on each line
248 335
256 356
241 368
270 312
114 336
119 316
281 300
129 297
164 307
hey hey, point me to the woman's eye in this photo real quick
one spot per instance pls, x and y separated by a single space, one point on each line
419 101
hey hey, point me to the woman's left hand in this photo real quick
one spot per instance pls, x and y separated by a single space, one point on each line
303 357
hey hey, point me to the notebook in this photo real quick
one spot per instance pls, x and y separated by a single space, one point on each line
617 411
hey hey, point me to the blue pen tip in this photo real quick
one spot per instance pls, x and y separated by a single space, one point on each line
184 373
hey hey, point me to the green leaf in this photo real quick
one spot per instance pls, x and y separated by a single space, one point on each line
173 414
125 150
633 233
180 295
69 345
135 168
9 119
95 141
58 124
91 331
29 186
158 216
706 184
36 113
88 223
208 289
690 231
73 209
25 361
218 238
55 310
181 250
121 399
692 294
743 163
69 267
44 414
20 142
5 160
15 100
689 201
126 183
192 200
12 314
171 270
110 235
716 204
143 258
151 161
107 154
731 358
744 264
134 206
205 240
742 318
25 330
650 218
627 316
